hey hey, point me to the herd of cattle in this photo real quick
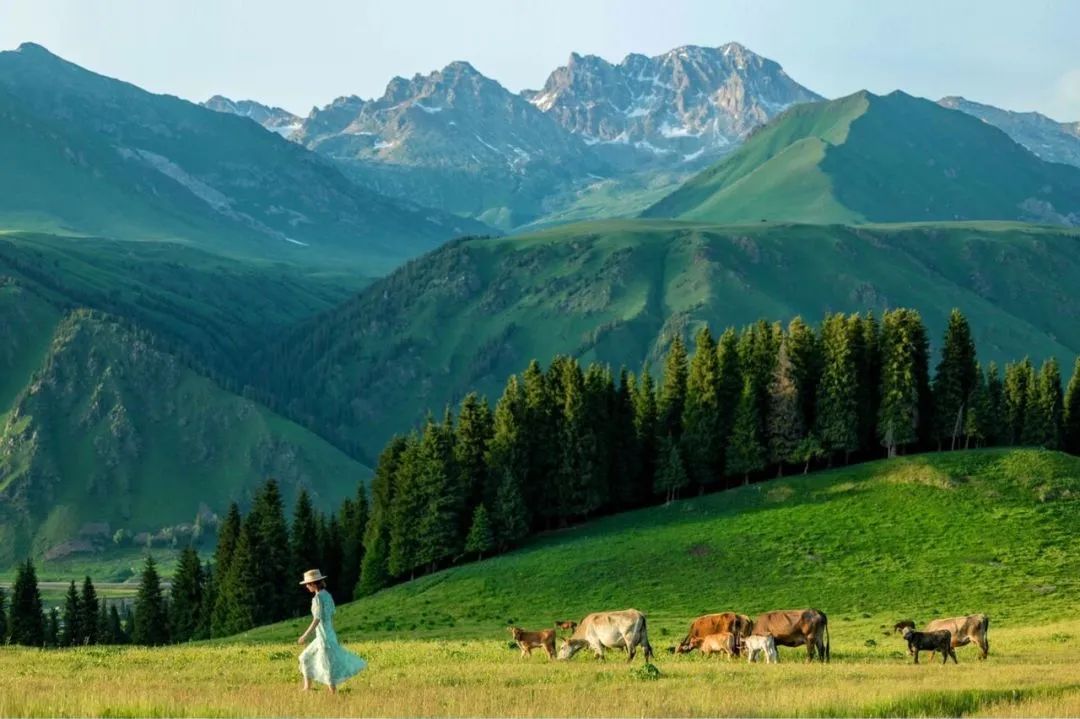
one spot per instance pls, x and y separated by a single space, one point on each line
734 635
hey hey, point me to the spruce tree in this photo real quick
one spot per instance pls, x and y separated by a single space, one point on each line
671 476
1070 435
868 374
206 608
237 603
408 503
26 620
270 543
102 635
745 453
804 351
599 394
505 460
90 611
3 617
672 399
151 621
1018 385
481 538
116 629
303 546
995 400
186 594
374 568
330 556
542 433
52 629
702 438
646 428
472 433
626 470
510 518
784 425
227 535
729 388
438 528
978 419
71 634
905 396
954 381
838 390
1043 419
353 517
578 470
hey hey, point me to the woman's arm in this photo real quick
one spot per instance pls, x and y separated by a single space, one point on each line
304 637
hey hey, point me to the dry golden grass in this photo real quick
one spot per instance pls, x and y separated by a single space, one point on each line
1031 672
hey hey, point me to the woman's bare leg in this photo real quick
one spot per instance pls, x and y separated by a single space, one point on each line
332 689
307 684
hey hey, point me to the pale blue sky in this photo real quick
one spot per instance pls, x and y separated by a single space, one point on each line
1018 55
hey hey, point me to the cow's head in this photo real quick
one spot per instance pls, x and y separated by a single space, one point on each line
688 645
904 624
514 632
568 649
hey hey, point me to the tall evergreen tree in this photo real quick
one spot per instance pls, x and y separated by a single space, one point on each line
578 471
671 477
71 633
599 389
1070 438
151 619
439 535
408 503
52 629
510 518
543 409
954 381
672 399
978 420
102 635
186 594
116 633
206 608
804 351
270 538
646 427
227 534
303 546
506 462
3 617
353 518
26 620
237 603
729 388
784 425
702 431
626 472
1043 418
480 538
905 396
838 389
1018 386
89 609
472 433
374 569
868 371
995 402
745 452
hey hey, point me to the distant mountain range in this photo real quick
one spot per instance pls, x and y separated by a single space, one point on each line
1051 140
459 141
89 155
280 121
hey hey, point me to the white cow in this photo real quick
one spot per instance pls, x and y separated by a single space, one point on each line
614 630
764 644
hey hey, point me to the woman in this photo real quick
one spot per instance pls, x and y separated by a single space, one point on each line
324 660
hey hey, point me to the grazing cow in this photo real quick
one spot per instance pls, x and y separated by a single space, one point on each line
614 630
719 643
737 625
527 641
763 644
937 641
796 627
965 630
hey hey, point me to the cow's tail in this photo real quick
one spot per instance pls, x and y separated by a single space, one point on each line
645 639
828 643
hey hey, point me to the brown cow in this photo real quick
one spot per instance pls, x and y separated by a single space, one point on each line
965 630
527 641
795 628
738 625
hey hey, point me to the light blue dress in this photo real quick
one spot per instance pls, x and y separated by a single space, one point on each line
324 660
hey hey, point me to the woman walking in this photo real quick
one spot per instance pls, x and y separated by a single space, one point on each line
324 660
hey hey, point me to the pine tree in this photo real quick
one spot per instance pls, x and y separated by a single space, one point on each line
353 517
505 460
374 568
868 374
3 617
729 388
90 610
672 400
995 401
330 556
270 543
578 471
671 477
784 424
472 433
510 518
480 539
71 634
26 620
227 535
599 395
954 381
52 629
804 351
102 635
1070 435
905 395
626 470
646 422
808 449
1019 381
438 530
151 621
186 594
702 438
408 503
838 390
542 433
116 629
237 603
303 547
745 453
978 421
1043 417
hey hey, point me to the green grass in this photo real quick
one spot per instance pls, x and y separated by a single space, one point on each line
934 535
467 316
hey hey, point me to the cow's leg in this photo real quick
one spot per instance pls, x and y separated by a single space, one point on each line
952 653
984 647
809 648
916 655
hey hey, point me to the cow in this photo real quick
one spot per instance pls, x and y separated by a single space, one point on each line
940 640
736 624
796 627
624 629
719 643
527 641
763 644
965 630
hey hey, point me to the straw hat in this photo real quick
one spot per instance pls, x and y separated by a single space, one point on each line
312 575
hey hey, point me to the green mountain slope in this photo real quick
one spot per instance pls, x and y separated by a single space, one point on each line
931 535
113 433
86 154
869 158
468 315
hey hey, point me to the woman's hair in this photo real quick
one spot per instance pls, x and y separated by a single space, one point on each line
321 584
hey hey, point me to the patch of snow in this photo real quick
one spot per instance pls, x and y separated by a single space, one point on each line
646 145
544 102
296 242
489 146
668 131
382 145
425 108
693 155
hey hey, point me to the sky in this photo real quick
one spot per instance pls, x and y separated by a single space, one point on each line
1017 55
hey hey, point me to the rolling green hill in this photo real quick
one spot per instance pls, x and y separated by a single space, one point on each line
109 432
473 312
870 158
931 535
90 155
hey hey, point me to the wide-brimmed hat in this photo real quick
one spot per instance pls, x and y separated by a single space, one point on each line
312 575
